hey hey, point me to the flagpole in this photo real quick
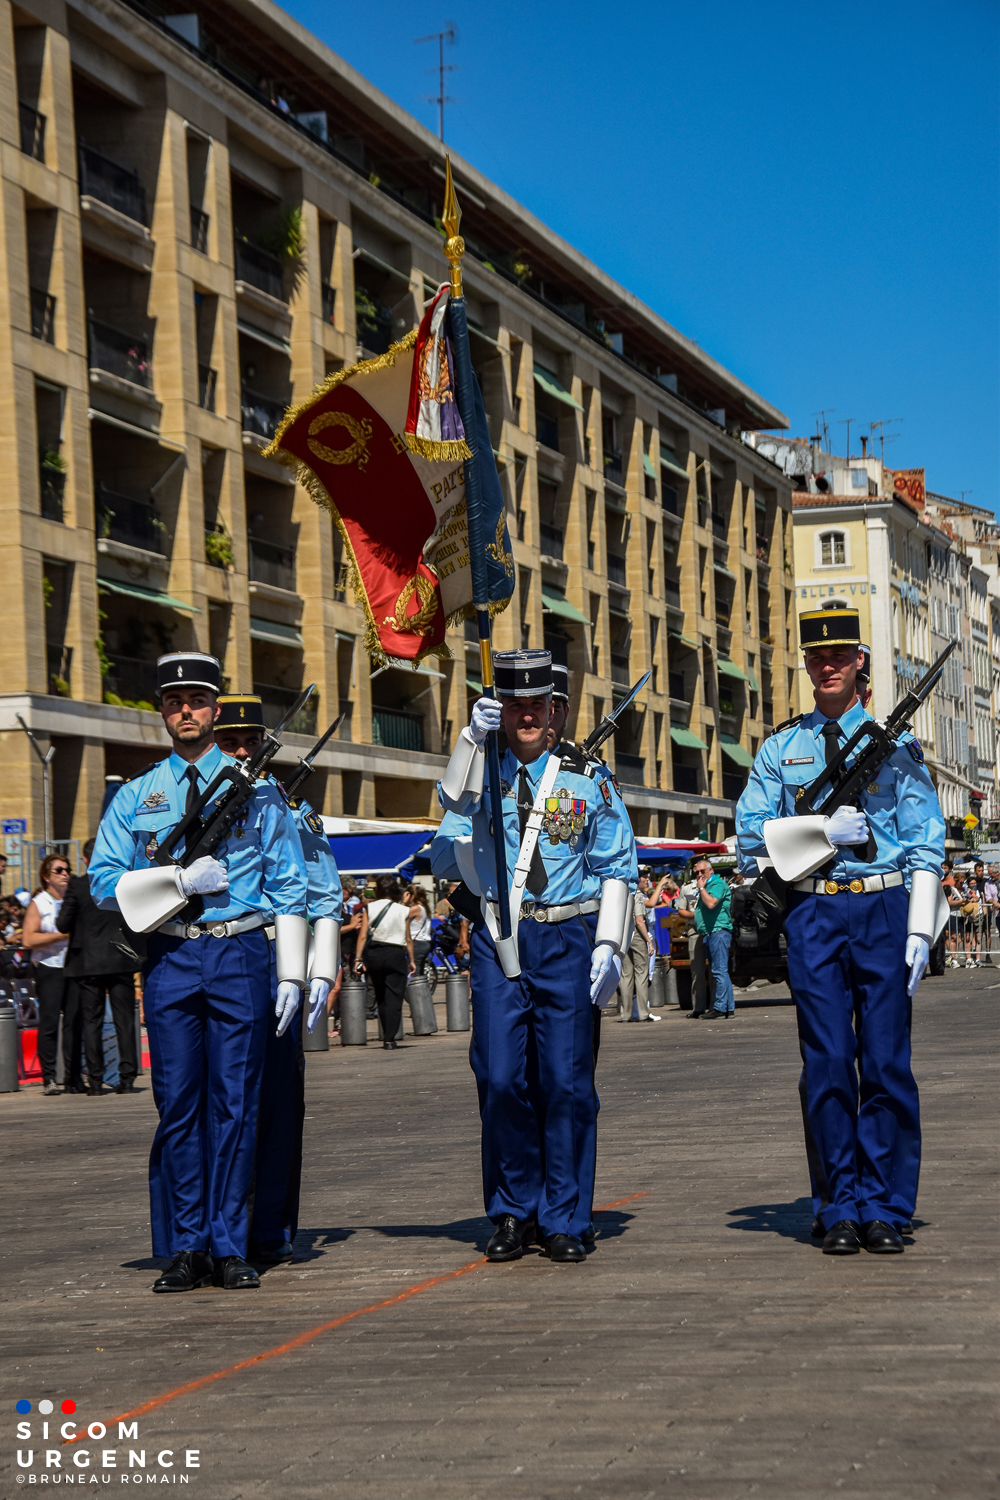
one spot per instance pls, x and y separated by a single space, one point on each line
459 330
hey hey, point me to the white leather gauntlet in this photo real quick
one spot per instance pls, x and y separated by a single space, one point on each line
324 949
291 948
148 897
614 920
464 773
928 909
797 846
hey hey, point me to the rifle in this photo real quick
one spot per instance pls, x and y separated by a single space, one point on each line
241 782
609 723
872 744
305 768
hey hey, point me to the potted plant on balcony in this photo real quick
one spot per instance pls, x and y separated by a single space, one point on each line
219 547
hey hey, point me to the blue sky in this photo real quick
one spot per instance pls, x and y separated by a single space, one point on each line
810 192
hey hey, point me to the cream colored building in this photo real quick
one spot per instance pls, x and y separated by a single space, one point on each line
199 221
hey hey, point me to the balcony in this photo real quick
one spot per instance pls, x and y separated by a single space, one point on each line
260 414
260 268
329 303
620 675
32 131
551 541
400 731
630 768
719 526
685 779
675 683
119 354
767 710
59 660
617 570
672 592
277 701
547 430
271 564
131 681
613 466
135 523
206 387
732 786
110 183
199 229
52 483
668 500
43 315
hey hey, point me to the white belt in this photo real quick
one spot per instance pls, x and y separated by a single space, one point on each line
857 887
218 929
559 913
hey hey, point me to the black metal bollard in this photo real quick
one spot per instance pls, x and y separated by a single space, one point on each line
318 1040
353 1013
418 993
9 1049
456 989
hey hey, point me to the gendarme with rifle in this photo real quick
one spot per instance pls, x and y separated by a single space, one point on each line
841 815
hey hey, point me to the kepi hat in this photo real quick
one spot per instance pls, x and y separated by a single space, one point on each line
834 625
522 674
239 711
186 669
560 681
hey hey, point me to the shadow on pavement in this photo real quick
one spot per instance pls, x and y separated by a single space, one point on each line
611 1224
310 1243
791 1220
466 1231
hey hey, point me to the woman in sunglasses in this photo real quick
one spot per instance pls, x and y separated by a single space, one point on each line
55 992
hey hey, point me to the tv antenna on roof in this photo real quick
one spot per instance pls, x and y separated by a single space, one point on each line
449 35
881 434
821 421
846 422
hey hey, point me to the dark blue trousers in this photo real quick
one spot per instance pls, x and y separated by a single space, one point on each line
206 1003
534 1050
278 1165
847 971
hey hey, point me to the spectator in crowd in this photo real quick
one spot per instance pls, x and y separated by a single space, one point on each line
102 960
685 904
991 900
417 900
635 961
973 913
56 994
385 949
713 919
3 871
456 925
953 895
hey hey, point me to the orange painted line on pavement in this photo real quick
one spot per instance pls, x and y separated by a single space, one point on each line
307 1337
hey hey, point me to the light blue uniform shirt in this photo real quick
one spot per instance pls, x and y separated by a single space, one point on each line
325 895
452 826
262 855
603 850
901 806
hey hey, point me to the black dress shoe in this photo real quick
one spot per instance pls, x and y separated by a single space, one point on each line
906 1227
390 1046
565 1248
187 1270
237 1276
589 1235
509 1238
881 1239
126 1088
817 1232
270 1255
97 1088
843 1239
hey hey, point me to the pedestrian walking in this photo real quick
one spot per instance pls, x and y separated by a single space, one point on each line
56 995
635 961
385 950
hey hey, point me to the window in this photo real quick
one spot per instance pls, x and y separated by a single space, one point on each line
832 546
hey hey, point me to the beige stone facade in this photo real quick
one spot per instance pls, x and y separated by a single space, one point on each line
183 252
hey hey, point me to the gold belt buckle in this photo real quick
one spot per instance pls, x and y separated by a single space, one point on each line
831 887
218 929
857 886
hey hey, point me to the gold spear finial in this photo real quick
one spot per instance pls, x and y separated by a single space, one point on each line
451 217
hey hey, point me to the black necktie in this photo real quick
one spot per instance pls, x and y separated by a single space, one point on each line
831 733
192 793
537 878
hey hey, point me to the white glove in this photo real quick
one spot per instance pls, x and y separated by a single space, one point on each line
605 974
319 993
918 953
847 826
206 877
485 716
286 1004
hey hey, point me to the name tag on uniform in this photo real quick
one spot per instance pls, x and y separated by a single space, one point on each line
799 760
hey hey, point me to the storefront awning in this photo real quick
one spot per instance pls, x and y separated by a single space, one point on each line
686 738
376 853
673 468
152 596
554 387
278 635
557 604
736 752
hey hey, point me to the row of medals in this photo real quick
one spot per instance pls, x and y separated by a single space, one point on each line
564 818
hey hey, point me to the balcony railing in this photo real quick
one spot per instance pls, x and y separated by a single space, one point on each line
113 184
260 414
132 680
329 303
547 430
685 778
719 526
620 671
277 701
199 229
613 465
59 660
675 682
630 768
668 500
732 786
206 387
401 731
551 539
136 523
260 268
672 591
32 131
617 570
53 486
120 354
272 564
43 315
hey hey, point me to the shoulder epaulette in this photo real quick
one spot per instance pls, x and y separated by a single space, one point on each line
144 772
572 756
788 724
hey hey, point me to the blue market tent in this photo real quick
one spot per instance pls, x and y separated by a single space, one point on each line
376 853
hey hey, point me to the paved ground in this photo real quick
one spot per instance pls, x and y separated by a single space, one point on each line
706 1349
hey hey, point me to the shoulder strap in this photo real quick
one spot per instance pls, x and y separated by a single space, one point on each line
788 724
372 926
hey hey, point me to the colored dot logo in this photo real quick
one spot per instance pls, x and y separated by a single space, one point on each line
45 1408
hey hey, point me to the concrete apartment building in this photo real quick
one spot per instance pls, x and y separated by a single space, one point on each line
203 214
920 575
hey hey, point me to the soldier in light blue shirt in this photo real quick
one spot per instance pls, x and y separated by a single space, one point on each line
571 874
208 993
863 898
